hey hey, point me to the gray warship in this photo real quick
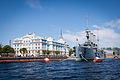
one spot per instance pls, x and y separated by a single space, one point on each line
88 50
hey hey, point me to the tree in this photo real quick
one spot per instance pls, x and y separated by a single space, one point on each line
0 48
7 49
44 52
38 51
70 52
48 52
57 52
23 51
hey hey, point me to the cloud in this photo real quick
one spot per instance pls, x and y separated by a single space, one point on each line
107 37
113 23
96 26
68 31
34 3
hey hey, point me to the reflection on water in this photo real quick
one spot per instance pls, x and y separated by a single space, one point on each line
58 70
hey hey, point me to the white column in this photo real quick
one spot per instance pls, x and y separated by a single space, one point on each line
40 48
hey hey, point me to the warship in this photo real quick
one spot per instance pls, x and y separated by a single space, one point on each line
89 49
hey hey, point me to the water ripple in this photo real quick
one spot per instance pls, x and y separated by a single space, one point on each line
59 70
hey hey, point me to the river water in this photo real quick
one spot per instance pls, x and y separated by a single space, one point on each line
109 69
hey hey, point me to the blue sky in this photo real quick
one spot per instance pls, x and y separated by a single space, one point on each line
47 17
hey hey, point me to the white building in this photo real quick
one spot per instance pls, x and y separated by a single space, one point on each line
34 43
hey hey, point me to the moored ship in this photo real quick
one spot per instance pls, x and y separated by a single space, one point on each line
88 50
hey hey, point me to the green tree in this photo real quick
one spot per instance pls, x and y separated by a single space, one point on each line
48 52
38 51
44 52
70 52
7 49
57 52
23 51
0 48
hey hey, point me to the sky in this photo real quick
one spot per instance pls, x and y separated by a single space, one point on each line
47 17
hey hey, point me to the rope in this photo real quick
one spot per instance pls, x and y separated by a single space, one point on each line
84 58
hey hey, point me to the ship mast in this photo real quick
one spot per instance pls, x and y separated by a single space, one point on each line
87 22
98 35
87 31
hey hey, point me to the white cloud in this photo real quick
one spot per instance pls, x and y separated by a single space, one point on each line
70 37
113 23
108 37
96 26
34 3
68 31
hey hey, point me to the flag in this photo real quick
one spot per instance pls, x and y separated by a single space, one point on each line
76 39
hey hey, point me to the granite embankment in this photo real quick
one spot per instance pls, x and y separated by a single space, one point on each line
111 56
40 58
30 59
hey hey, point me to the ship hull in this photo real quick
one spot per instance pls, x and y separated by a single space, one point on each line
87 54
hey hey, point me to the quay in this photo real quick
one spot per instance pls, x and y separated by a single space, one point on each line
30 59
40 58
111 56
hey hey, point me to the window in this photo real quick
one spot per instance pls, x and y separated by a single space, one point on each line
44 40
37 40
17 41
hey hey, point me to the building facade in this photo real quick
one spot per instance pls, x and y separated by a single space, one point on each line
34 43
112 51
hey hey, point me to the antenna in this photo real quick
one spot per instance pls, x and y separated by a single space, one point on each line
98 35
87 21
87 32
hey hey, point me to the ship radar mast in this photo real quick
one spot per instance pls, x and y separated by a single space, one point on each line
87 22
87 31
98 35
